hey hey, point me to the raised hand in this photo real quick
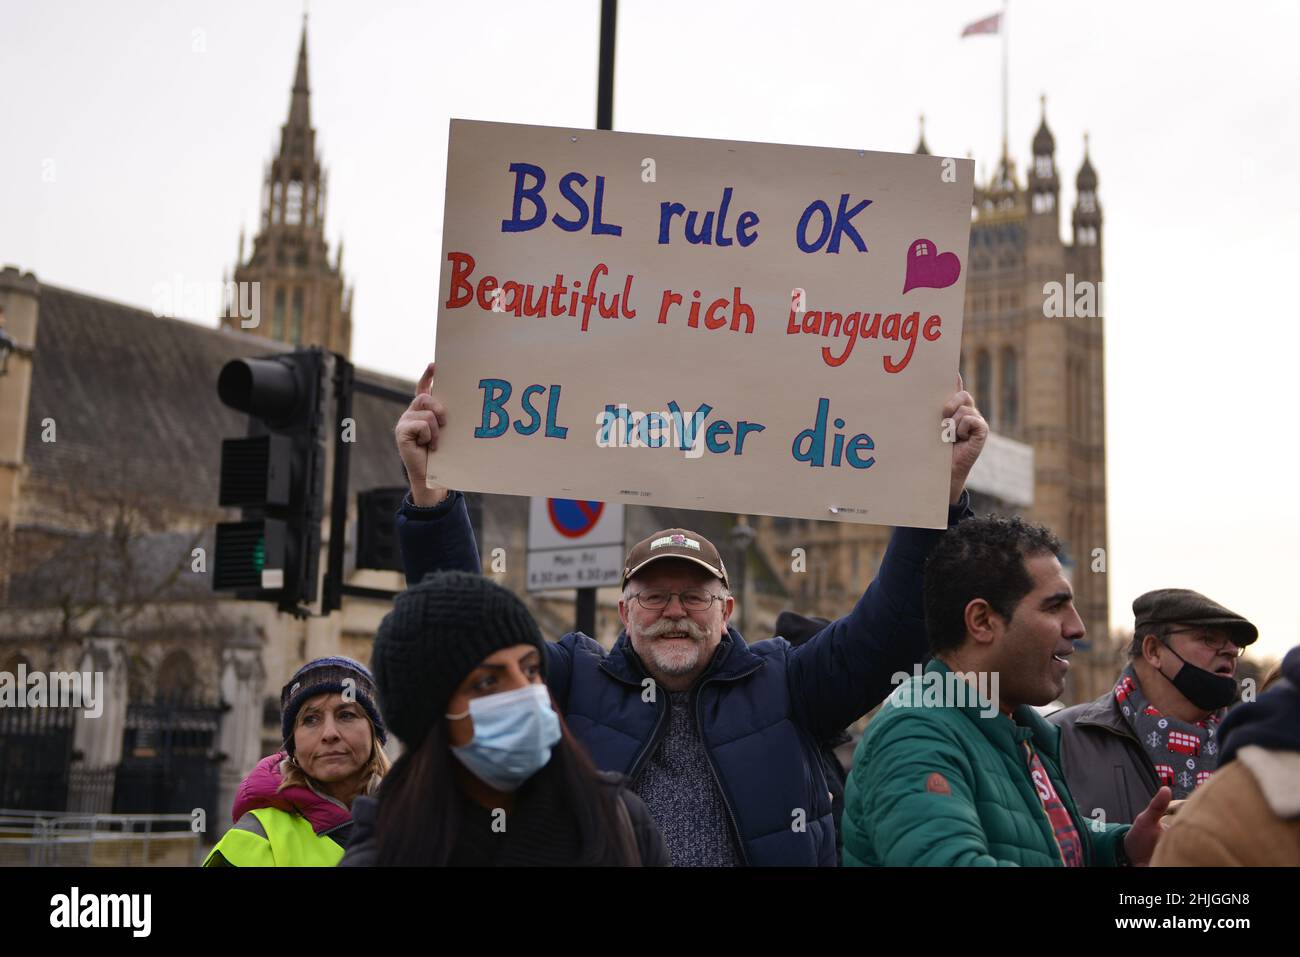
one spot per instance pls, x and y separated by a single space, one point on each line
969 434
417 438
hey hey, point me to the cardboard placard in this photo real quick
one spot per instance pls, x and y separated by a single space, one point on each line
740 327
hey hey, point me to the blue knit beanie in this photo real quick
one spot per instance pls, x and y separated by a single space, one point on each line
325 676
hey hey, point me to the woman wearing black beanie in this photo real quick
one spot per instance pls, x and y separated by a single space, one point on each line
491 775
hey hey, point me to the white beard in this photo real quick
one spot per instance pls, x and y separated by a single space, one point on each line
674 661
679 659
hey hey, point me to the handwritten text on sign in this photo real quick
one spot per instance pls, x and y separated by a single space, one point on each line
696 323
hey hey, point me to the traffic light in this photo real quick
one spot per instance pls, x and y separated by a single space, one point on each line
377 545
377 528
276 476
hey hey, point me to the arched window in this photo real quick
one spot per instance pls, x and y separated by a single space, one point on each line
1077 547
1010 389
294 203
139 679
14 662
1043 166
177 679
277 210
984 383
1081 399
277 317
297 316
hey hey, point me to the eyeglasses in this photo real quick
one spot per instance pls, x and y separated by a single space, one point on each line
695 600
1209 641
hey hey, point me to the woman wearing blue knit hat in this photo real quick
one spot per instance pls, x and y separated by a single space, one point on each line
295 808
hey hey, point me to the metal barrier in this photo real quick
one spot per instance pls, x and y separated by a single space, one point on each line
51 839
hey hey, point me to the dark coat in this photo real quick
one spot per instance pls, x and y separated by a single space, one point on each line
1104 763
363 847
761 708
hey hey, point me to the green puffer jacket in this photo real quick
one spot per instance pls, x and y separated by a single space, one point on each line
897 813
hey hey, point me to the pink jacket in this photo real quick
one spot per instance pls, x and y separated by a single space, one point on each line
259 790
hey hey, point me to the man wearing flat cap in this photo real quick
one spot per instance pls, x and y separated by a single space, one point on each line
718 736
1159 724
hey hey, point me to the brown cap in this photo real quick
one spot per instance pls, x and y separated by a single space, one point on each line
1167 606
675 543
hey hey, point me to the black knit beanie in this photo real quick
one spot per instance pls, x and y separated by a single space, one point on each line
437 633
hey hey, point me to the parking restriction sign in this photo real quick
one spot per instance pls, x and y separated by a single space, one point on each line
574 544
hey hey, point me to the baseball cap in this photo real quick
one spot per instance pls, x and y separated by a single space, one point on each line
675 543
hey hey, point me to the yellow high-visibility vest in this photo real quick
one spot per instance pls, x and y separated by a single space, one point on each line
285 840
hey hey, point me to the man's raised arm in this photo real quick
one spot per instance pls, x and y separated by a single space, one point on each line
846 669
433 529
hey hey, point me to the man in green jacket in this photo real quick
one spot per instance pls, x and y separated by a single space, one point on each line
958 768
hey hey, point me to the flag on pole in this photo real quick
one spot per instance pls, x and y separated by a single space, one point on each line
991 24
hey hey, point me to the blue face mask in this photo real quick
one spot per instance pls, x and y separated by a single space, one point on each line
514 732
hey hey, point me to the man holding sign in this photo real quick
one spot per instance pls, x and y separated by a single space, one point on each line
718 736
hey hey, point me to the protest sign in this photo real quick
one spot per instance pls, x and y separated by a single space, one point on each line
706 324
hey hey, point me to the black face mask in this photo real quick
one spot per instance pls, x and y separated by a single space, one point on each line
1205 689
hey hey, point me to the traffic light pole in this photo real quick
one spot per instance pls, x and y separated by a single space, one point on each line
333 589
605 78
584 610
345 384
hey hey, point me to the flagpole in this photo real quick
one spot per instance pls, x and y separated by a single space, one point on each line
1003 31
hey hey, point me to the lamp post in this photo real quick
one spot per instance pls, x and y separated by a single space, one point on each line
742 537
7 344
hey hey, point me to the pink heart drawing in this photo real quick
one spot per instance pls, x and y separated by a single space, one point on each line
928 267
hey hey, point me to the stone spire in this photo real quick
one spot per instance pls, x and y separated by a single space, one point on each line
921 148
302 296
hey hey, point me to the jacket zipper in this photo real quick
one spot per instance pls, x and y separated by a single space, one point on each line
655 736
650 745
699 727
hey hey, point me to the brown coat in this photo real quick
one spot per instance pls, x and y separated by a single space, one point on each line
1246 815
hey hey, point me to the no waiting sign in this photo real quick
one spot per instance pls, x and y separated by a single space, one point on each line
574 544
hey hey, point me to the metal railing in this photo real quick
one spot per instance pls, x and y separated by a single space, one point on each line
55 839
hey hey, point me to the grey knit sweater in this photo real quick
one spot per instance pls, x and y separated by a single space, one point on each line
678 787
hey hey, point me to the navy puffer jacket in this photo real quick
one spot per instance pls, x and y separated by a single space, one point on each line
761 707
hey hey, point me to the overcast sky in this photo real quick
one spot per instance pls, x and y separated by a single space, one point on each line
135 134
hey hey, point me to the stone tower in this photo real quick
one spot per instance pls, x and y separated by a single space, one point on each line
302 297
1032 352
1036 372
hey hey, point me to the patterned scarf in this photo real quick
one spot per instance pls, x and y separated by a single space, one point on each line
1184 755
